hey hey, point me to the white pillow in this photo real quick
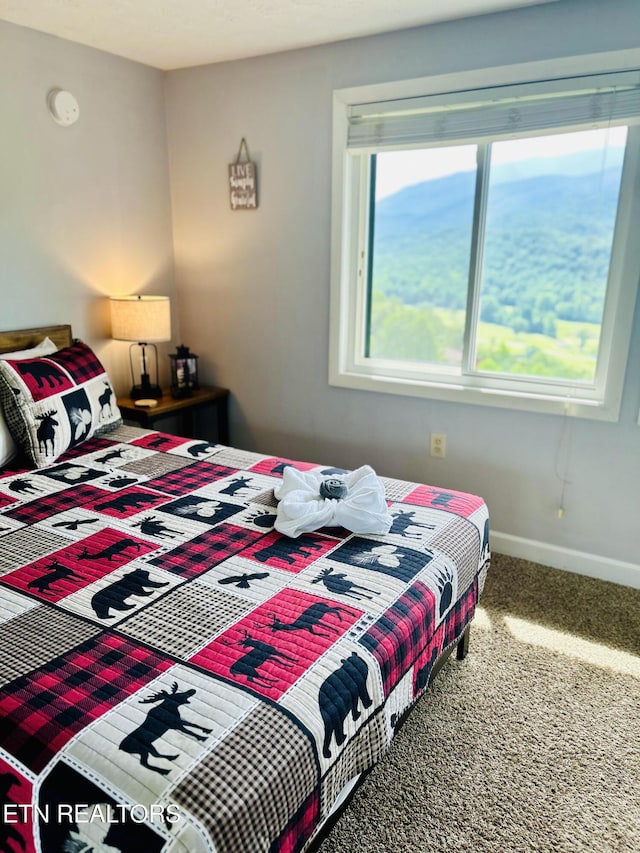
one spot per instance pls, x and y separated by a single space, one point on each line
8 447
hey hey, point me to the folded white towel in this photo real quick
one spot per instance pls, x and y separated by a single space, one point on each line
309 500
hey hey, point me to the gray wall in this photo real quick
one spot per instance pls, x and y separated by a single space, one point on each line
84 210
254 287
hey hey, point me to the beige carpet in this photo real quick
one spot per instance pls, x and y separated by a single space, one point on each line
530 745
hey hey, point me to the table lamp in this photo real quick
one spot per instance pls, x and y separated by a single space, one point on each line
145 320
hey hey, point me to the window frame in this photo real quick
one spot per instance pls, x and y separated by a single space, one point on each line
350 368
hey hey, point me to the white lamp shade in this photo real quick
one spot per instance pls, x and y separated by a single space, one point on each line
144 319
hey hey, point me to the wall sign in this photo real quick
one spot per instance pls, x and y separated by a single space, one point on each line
243 181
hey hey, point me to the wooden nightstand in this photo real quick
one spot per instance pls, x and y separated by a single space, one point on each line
182 409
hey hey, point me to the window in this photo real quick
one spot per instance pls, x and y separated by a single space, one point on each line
484 244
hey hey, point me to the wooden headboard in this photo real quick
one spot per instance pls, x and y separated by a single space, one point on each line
26 338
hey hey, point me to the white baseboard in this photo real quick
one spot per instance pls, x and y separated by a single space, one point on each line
592 565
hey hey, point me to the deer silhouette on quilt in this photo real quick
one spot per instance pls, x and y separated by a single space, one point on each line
160 720
403 520
112 455
337 583
311 620
22 486
115 550
151 526
259 653
237 485
55 572
104 401
46 431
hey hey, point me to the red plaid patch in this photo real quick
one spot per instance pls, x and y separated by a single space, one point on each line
274 466
461 614
296 626
190 478
300 827
42 376
50 375
16 466
93 445
292 555
404 628
79 361
159 441
54 577
447 633
426 659
456 502
40 712
5 500
206 550
49 505
126 502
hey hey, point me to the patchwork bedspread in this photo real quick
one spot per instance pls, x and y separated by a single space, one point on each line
175 675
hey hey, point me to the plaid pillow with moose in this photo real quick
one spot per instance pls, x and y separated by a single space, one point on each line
57 401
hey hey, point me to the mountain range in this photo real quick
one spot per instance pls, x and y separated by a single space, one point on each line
547 245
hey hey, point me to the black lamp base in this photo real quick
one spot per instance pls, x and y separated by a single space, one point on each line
145 389
140 392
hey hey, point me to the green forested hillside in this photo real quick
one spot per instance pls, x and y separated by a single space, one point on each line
548 243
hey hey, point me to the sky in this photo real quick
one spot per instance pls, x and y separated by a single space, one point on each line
398 169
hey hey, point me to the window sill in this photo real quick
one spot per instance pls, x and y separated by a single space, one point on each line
458 393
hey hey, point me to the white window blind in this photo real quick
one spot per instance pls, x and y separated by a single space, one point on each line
505 112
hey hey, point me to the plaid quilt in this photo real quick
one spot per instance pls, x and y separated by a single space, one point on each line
176 675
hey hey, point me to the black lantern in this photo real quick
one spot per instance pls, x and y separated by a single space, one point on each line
184 372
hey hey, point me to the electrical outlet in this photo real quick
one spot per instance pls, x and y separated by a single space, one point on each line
438 445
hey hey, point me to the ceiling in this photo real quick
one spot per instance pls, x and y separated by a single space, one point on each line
170 34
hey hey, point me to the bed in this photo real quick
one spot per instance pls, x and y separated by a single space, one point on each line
174 673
